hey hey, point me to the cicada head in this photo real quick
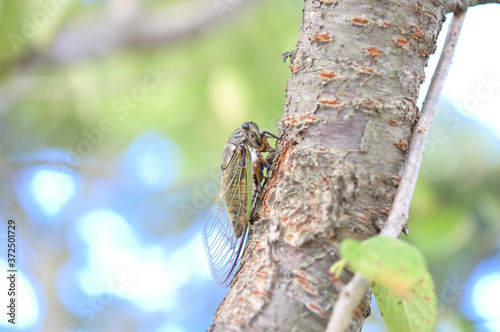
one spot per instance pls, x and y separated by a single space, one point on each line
253 136
249 134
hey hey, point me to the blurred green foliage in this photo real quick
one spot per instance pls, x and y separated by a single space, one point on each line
214 81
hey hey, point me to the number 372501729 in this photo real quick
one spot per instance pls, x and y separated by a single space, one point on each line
11 252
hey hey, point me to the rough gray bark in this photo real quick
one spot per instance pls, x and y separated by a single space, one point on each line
353 292
347 122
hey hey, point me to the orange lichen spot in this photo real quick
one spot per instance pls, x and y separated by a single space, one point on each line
417 34
384 24
403 145
360 20
426 298
294 68
303 282
261 274
332 277
329 74
316 309
386 209
393 122
303 118
425 52
330 102
372 104
284 219
321 37
367 70
402 42
374 51
324 179
290 122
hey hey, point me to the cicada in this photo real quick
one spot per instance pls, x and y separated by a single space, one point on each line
227 226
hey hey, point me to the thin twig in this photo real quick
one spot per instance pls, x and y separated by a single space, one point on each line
354 291
458 6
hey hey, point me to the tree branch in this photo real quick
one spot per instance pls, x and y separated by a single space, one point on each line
353 293
350 106
111 31
118 29
124 25
458 6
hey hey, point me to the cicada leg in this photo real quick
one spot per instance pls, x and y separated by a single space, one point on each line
264 162
259 174
271 134
242 151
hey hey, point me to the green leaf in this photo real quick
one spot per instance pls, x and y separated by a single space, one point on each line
412 311
397 264
336 268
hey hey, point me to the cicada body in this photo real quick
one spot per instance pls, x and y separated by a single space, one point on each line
226 228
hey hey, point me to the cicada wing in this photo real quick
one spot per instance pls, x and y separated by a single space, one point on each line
222 247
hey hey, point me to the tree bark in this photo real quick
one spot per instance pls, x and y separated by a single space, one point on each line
347 123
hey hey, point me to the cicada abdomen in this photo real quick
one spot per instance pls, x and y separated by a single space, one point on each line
227 225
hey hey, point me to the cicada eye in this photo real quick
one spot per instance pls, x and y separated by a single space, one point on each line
245 126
